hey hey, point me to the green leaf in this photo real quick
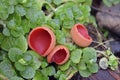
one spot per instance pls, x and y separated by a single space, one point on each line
71 46
4 15
28 58
76 55
40 76
22 61
35 54
6 32
11 9
18 31
57 2
19 66
49 1
67 24
57 75
85 73
21 43
25 25
76 11
49 71
93 68
20 10
17 18
35 16
12 2
7 43
82 65
62 77
14 54
89 53
44 64
11 24
69 14
28 73
36 64
65 66
54 23
2 55
113 62
85 10
27 3
16 78
6 69
60 37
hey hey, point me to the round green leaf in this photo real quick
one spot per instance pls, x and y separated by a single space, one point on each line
28 58
6 32
20 10
11 9
40 76
14 54
82 66
36 64
28 73
44 64
93 68
85 73
65 66
76 55
21 43
89 53
19 66
49 71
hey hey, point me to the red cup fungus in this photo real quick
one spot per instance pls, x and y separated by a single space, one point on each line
59 55
42 40
80 35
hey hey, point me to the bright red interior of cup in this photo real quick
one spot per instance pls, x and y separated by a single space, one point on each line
83 31
40 40
59 56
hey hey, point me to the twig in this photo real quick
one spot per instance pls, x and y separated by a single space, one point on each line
103 53
102 43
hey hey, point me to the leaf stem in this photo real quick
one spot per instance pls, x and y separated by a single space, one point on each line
103 53
70 73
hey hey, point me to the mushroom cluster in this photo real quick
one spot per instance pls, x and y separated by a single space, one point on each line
43 41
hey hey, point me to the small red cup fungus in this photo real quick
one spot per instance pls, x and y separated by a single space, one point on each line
42 40
59 55
80 35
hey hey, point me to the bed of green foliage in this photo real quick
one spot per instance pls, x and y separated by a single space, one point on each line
18 17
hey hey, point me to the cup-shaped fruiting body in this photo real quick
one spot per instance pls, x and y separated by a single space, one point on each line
42 40
79 34
59 55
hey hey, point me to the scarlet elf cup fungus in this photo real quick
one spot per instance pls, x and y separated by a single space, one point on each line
42 40
80 35
59 55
